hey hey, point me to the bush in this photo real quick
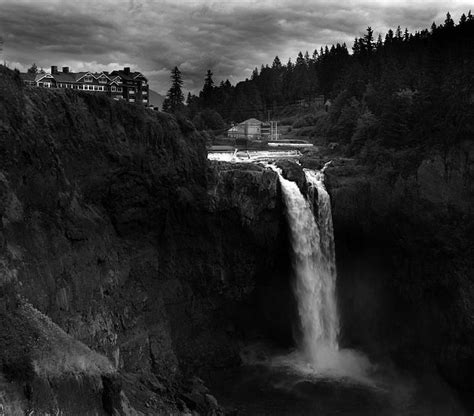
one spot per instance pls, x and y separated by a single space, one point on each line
208 120
305 121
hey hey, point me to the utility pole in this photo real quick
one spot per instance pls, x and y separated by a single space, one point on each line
1 51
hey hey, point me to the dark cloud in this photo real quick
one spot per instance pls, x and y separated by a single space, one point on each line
229 37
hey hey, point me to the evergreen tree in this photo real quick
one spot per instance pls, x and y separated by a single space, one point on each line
369 41
379 44
173 102
207 92
276 63
33 69
449 22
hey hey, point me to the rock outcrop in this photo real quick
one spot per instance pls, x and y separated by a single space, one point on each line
405 258
115 233
130 267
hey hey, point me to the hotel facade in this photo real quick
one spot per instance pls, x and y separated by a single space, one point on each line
120 85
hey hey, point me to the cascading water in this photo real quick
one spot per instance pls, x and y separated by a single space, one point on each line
312 241
315 277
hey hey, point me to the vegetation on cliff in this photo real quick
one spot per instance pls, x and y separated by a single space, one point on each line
403 90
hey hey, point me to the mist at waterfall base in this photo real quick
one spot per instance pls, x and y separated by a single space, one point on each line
312 241
318 377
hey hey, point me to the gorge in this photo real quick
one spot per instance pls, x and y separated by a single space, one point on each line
132 269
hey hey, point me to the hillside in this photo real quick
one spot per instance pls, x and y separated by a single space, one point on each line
128 266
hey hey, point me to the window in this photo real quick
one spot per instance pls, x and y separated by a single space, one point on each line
132 100
103 80
131 91
88 78
119 89
96 88
113 88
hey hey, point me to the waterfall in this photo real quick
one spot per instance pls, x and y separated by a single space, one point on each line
312 243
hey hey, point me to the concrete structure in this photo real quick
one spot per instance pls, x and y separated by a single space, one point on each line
120 85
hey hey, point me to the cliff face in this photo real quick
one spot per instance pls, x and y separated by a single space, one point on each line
128 265
115 229
405 258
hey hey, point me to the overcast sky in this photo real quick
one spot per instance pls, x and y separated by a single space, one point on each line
229 37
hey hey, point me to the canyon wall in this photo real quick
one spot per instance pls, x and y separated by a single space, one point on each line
406 256
127 265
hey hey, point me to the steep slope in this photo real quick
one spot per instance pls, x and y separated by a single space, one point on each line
114 227
406 255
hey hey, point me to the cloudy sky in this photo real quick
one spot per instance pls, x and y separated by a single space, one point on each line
230 37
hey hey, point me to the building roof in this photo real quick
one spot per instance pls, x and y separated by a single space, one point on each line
128 76
77 76
251 121
237 128
68 76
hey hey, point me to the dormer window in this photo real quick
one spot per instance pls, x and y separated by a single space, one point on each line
88 78
103 80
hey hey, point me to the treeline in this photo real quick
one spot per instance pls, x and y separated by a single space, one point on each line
399 89
273 86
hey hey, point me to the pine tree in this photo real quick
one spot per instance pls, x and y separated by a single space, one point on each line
173 102
398 33
254 74
276 63
449 22
307 58
369 40
379 44
33 69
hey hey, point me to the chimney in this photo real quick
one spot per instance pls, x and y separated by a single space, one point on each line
65 69
54 70
126 70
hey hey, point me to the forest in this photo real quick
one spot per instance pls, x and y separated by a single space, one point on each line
403 89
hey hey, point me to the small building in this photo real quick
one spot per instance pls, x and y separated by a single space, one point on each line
236 132
248 129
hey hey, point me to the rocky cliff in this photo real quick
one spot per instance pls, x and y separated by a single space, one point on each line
405 253
127 266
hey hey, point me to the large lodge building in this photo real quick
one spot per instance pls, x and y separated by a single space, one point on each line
120 85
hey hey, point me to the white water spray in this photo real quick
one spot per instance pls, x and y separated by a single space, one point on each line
312 241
